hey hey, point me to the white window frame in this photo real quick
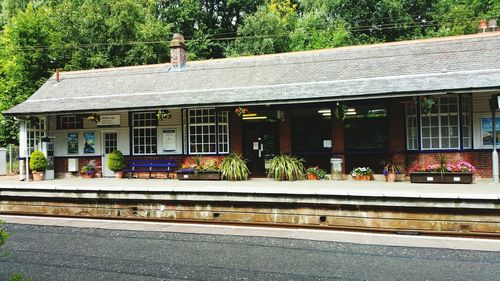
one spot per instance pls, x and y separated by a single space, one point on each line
35 135
439 115
144 128
214 129
408 119
223 132
70 119
467 114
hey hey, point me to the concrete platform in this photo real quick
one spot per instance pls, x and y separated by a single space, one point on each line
476 191
449 209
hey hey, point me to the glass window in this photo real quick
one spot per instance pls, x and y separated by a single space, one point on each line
70 122
440 129
144 134
411 126
467 121
203 131
36 131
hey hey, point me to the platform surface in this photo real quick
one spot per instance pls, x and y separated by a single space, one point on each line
480 190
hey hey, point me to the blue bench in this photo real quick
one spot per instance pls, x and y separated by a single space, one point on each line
150 166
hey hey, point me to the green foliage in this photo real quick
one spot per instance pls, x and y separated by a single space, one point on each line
3 234
261 33
19 277
286 167
234 168
38 162
39 36
116 161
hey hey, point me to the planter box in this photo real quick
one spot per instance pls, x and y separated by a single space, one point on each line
424 177
214 176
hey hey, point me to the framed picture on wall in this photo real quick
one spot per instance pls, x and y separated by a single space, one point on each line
89 143
72 143
487 131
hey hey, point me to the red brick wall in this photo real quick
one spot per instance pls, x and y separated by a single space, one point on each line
61 163
480 159
236 133
285 131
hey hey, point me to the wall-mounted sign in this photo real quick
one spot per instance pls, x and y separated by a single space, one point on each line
169 140
109 120
327 143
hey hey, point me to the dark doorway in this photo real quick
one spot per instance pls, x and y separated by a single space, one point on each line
260 141
366 129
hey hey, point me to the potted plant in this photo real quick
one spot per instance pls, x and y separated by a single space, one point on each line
116 163
88 171
199 170
286 167
391 169
234 168
38 164
362 173
461 172
315 173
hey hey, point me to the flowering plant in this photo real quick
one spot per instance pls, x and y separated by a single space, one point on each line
239 111
460 167
320 173
362 171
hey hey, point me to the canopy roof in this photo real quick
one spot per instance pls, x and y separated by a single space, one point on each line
450 64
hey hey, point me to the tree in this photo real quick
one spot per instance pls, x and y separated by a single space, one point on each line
315 30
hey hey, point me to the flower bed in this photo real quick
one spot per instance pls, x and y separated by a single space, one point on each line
462 172
192 174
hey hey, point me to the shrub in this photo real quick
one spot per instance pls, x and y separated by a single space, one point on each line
234 168
286 167
116 161
38 162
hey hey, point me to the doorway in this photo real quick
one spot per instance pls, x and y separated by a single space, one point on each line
260 144
109 144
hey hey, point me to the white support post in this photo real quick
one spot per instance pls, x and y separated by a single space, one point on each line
494 156
23 151
10 159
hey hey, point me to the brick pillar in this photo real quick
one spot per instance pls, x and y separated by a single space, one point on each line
338 148
235 133
396 113
285 131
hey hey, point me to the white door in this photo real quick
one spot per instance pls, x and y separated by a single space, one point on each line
109 144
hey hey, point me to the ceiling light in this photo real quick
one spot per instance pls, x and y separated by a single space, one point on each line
324 111
255 118
249 114
351 110
327 114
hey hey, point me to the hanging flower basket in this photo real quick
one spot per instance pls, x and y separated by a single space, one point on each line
93 117
340 111
163 114
427 103
239 111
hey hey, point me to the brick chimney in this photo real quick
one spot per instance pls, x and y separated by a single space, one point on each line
178 53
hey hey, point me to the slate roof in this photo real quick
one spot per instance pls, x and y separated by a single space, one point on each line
402 68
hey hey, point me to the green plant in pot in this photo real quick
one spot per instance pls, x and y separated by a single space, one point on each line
116 163
38 164
234 168
285 167
391 169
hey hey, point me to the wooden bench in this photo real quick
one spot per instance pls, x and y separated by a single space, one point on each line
150 166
